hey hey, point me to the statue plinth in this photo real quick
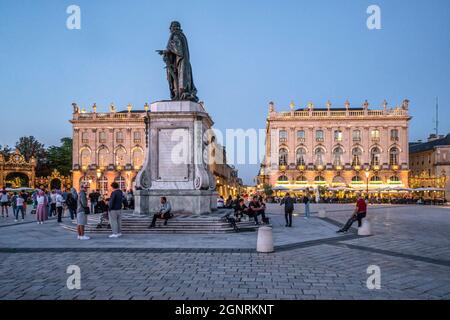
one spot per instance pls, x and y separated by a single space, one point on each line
176 163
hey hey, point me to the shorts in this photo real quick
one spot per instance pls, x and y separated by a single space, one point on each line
4 204
81 219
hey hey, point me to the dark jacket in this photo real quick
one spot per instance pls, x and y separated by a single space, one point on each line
288 204
116 200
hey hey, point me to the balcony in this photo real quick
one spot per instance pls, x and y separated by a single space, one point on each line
375 139
319 139
283 140
356 139
394 138
137 140
84 140
119 140
300 140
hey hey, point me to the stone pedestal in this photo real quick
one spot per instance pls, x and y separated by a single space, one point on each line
176 165
264 242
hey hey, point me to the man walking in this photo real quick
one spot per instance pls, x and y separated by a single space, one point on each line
358 214
115 210
82 209
288 208
4 200
306 201
59 205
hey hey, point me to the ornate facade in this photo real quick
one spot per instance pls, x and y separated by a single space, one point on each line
430 162
111 147
17 164
336 146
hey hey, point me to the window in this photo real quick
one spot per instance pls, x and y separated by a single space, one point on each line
301 136
120 156
375 157
102 137
319 155
137 137
375 135
319 179
119 137
283 135
121 181
85 137
338 135
393 156
283 178
85 157
138 158
337 156
319 135
356 179
300 156
103 185
283 157
394 135
85 180
394 179
356 135
356 156
103 157
375 179
301 179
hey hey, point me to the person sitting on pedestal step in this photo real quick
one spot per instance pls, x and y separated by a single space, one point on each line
163 213
288 208
256 208
239 209
358 214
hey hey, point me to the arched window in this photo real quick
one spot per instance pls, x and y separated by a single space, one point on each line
138 158
319 155
356 156
103 185
337 156
103 157
338 180
375 179
375 156
301 156
283 178
121 181
356 179
394 179
85 180
121 156
283 157
301 179
319 179
393 156
85 157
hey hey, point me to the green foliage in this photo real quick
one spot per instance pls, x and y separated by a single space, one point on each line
268 190
60 158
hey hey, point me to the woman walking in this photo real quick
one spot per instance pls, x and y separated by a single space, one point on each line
42 206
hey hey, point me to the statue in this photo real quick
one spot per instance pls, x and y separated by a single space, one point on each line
178 66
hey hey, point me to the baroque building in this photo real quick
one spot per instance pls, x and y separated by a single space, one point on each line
111 146
430 162
336 146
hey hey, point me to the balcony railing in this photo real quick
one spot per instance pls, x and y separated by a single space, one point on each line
301 140
319 139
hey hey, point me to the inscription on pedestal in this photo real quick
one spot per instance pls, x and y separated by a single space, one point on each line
173 154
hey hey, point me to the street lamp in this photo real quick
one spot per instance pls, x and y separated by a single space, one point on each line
367 173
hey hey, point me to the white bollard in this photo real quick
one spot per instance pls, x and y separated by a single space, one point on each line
322 213
365 229
265 240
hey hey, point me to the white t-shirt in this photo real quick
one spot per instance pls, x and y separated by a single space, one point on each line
19 201
59 200
53 197
40 199
4 197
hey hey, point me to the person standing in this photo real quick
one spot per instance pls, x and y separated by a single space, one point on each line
71 205
59 200
93 197
359 213
42 206
14 205
306 201
288 208
4 200
53 203
115 210
19 207
82 209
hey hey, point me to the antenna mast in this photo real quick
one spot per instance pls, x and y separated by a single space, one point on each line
437 117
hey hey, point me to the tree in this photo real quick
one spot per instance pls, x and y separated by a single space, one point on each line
5 151
60 157
30 147
268 190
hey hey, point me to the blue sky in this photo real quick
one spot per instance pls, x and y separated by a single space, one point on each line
243 53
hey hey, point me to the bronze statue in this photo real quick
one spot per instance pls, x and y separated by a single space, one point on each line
178 66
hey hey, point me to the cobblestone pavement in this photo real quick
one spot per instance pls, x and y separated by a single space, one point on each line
410 245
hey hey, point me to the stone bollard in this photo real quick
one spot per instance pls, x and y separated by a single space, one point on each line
265 240
365 229
322 213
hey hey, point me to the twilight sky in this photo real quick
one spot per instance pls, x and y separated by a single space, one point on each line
243 53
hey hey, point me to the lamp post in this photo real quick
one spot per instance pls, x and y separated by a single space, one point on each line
367 173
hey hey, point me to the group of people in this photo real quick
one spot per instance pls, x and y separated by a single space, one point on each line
17 201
